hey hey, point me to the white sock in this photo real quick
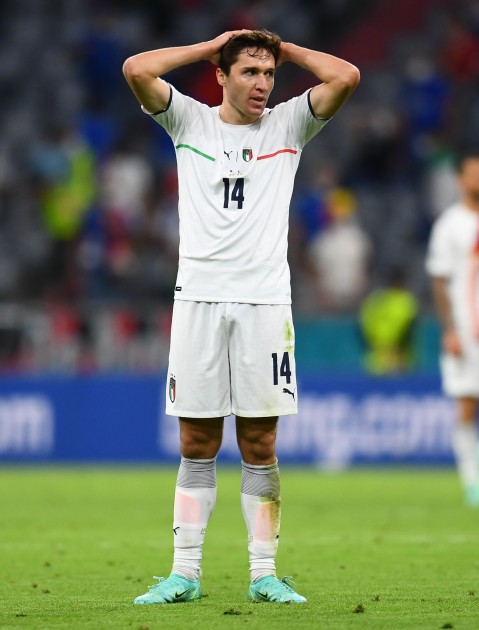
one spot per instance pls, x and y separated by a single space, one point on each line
261 504
465 447
195 498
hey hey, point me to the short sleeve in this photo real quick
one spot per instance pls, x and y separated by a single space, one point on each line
179 112
298 116
440 254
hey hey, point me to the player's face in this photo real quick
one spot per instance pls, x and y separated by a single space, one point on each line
247 87
469 181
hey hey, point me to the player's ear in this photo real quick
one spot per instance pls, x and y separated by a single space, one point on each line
220 77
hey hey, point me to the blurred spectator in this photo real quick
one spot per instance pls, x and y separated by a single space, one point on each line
377 148
459 54
98 129
309 209
158 241
70 343
66 177
126 187
340 255
460 51
425 93
387 317
101 52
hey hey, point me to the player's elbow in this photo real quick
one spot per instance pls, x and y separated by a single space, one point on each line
132 71
345 83
350 78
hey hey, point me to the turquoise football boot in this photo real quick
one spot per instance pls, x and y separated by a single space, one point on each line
271 589
172 590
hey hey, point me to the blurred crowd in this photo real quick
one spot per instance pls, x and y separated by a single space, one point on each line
88 190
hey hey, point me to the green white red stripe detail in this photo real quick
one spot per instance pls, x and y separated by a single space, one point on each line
187 146
270 155
209 157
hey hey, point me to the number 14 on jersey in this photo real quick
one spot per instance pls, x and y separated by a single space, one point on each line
236 188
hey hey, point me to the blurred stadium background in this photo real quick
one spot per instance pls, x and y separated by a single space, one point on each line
88 225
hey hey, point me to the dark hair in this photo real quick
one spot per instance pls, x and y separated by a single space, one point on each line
258 40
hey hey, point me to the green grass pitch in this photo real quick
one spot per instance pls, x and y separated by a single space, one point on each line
378 549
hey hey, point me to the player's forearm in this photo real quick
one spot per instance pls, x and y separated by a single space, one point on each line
325 67
155 63
338 78
142 72
443 304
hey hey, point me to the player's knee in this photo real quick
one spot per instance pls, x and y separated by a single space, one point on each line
199 446
200 439
199 451
257 440
258 453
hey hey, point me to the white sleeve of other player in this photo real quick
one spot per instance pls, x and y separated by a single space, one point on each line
440 255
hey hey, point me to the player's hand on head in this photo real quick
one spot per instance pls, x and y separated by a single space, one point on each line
217 44
283 55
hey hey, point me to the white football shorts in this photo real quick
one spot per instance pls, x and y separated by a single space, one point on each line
460 375
231 358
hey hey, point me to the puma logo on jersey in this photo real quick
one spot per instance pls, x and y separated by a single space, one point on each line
228 153
287 391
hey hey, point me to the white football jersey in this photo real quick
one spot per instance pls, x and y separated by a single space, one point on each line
235 184
452 254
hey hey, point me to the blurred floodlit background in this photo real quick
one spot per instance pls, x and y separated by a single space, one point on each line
88 190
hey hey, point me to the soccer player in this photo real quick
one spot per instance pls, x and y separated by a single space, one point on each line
453 263
232 338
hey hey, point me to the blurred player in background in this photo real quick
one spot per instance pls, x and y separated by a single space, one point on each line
232 339
453 263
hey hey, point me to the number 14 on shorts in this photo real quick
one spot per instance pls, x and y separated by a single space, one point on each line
284 368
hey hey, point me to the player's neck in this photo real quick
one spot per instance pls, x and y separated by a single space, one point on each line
232 116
